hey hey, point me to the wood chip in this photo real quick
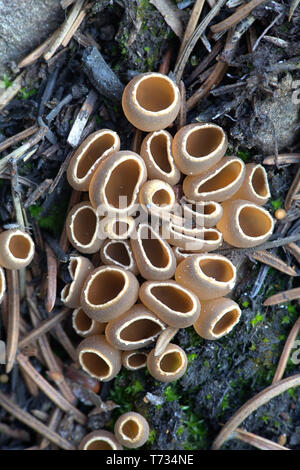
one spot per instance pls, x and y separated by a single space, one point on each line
171 14
273 261
284 296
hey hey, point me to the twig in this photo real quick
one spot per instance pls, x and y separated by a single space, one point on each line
204 63
11 92
181 120
55 111
82 118
283 159
286 352
253 404
182 60
293 7
51 279
18 434
294 249
266 246
74 28
192 23
34 423
257 441
39 51
16 138
52 425
51 393
294 188
61 171
64 29
165 63
273 261
13 318
284 296
66 3
137 141
65 342
37 193
236 17
265 31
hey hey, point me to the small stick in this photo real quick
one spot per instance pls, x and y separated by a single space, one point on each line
50 391
286 352
55 111
284 296
283 159
65 342
34 423
18 434
74 28
181 120
39 51
137 141
13 318
66 3
204 63
11 91
236 17
82 118
253 404
273 261
43 327
265 31
165 63
52 425
294 250
257 441
16 138
37 193
66 26
268 245
192 23
61 171
51 279
294 188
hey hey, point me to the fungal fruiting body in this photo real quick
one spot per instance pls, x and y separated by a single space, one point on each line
132 430
84 325
2 284
82 228
78 268
100 440
170 365
134 360
17 249
255 187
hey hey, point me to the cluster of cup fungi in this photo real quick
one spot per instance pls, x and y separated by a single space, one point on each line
157 272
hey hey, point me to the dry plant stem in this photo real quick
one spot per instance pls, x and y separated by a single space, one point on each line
52 425
293 7
50 391
181 120
66 3
165 63
74 28
65 342
33 423
294 250
272 260
67 25
61 171
18 434
284 296
182 60
283 159
37 193
51 279
16 138
11 92
236 17
43 327
253 404
265 246
294 188
205 63
257 441
286 352
136 141
32 387
265 31
195 15
13 318
82 117
39 51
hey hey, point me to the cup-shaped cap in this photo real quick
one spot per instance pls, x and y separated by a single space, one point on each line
79 268
2 284
218 317
151 101
169 365
118 253
245 224
255 187
99 358
84 325
116 183
218 183
194 239
132 430
108 292
17 249
199 214
100 440
82 228
174 304
93 150
157 197
198 147
117 228
134 360
134 329
208 275
153 255
156 151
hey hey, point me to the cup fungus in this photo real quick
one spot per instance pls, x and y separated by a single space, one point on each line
84 325
157 197
99 358
100 440
156 151
134 360
131 429
196 239
208 275
134 329
218 183
255 187
108 291
118 253
116 182
198 147
151 101
82 228
201 213
245 224
119 228
93 150
2 284
172 303
169 365
153 255
17 249
218 318
79 268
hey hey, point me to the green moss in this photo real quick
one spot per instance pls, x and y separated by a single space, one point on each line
170 393
191 357
152 436
244 155
6 81
276 203
26 93
55 219
259 317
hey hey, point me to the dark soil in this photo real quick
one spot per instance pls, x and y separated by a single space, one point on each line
261 119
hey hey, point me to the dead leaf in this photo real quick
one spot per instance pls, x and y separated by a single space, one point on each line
171 15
